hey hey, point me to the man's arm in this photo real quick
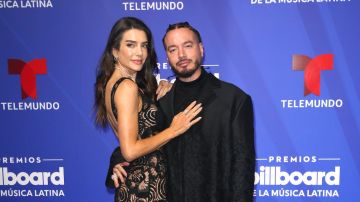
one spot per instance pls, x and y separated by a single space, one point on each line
243 159
116 160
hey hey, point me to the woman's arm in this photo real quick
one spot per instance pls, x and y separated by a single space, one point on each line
127 102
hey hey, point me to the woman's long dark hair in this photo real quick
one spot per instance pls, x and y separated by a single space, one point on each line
145 78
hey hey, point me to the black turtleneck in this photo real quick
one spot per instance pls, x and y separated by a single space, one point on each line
187 92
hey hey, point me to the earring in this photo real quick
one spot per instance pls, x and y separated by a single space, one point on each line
116 60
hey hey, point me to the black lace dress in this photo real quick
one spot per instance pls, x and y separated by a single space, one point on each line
146 175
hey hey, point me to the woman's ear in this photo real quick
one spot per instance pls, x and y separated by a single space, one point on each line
115 53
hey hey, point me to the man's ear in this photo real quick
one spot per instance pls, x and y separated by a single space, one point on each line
201 49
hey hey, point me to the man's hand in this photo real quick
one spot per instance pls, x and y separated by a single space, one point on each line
119 172
163 88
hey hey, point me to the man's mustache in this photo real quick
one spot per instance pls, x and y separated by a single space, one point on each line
184 60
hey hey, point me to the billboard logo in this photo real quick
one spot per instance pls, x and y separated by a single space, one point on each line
34 178
312 70
315 177
27 72
25 176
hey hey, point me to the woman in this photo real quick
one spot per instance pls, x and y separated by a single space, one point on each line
125 98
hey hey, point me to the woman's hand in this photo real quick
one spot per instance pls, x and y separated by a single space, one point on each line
185 119
119 173
163 88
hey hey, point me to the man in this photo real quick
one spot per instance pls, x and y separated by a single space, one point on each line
215 159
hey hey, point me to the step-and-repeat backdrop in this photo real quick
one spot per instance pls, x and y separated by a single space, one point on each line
298 59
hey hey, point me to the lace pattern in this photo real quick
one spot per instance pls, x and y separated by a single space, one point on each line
146 175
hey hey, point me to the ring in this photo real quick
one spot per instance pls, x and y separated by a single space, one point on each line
185 111
113 176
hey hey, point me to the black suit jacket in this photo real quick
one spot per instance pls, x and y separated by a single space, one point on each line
215 159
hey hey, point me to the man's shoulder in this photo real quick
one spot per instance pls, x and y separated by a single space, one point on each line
231 89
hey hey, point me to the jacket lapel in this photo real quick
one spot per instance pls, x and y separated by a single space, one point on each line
207 93
167 104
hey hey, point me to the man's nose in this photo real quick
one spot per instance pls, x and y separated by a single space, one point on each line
181 53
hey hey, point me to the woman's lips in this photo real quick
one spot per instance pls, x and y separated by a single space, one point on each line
137 62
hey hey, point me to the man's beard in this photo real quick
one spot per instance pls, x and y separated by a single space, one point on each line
186 73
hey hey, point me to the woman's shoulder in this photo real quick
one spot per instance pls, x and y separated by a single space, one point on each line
125 86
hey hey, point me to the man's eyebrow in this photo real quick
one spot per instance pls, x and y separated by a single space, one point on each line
189 41
171 46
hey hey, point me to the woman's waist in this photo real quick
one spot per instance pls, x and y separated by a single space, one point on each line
152 159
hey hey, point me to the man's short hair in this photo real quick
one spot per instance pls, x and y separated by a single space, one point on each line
182 25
